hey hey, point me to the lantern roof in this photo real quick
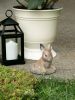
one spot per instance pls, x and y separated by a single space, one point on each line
8 21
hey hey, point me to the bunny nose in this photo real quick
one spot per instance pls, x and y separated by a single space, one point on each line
50 58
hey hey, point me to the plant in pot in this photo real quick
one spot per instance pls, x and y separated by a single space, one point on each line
38 20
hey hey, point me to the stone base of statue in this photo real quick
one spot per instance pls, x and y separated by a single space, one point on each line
43 71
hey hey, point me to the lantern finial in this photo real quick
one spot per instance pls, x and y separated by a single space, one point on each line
8 13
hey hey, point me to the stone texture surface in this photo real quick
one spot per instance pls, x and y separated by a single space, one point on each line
64 43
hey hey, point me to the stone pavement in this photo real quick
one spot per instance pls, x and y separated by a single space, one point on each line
64 43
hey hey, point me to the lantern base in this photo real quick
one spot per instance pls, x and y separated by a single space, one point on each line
13 62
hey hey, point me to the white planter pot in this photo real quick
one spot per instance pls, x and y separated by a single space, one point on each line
39 26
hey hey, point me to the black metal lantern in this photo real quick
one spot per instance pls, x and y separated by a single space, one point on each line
10 55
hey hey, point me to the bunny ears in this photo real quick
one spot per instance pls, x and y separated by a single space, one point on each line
42 47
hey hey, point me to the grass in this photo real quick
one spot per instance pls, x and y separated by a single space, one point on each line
53 89
21 85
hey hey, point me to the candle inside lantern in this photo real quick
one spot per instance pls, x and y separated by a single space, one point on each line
11 50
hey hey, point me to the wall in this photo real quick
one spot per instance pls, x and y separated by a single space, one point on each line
4 5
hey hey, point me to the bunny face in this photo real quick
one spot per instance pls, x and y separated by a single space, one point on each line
47 55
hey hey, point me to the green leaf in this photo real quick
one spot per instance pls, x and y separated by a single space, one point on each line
34 4
1 95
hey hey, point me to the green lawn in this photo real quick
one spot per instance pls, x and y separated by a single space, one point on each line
21 85
53 89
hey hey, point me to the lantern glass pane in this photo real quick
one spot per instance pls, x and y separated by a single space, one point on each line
9 27
19 46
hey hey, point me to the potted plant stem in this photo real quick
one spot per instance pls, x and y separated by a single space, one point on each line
38 20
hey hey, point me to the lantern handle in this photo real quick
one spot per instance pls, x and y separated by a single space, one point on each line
8 13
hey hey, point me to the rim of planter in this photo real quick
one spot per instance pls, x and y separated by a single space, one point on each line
55 9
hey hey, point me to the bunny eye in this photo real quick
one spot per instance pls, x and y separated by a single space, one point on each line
45 55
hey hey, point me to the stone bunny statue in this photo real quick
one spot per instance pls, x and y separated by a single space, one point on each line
43 65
